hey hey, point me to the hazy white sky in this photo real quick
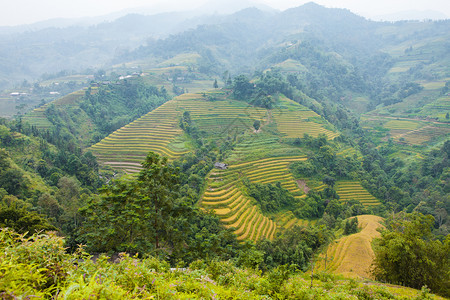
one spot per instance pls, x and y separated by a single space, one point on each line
14 12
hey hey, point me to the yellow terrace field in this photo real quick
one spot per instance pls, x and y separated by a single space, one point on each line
348 190
236 210
422 135
352 255
159 130
127 147
294 121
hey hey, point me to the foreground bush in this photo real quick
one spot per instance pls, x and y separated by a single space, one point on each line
39 268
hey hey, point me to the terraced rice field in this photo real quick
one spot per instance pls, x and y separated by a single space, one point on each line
348 190
235 209
402 125
270 170
422 135
127 147
296 121
352 255
349 152
159 130
291 65
220 117
286 220
38 118
7 106
261 145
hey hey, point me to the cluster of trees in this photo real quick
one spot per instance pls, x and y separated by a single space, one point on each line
149 214
409 254
270 197
115 105
155 215
263 91
420 186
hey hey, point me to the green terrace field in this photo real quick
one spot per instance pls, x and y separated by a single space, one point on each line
407 131
349 152
220 117
286 220
128 146
261 145
424 134
159 130
348 190
294 121
184 59
7 106
224 195
426 104
38 118
180 70
291 65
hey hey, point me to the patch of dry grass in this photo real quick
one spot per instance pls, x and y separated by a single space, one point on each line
352 255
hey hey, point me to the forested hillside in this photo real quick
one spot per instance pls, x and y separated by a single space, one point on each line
260 155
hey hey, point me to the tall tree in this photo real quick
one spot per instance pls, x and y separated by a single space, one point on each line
139 214
408 254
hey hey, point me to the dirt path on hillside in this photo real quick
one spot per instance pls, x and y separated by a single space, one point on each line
376 117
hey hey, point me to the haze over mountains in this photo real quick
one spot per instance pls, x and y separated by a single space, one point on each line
27 52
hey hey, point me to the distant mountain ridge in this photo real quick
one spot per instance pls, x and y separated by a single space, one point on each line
236 41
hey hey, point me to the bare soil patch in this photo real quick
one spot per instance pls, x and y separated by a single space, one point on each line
302 185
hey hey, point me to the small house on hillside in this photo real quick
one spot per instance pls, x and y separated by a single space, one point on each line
221 166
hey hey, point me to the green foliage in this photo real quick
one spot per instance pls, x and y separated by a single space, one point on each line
296 246
16 217
114 106
408 254
33 266
257 124
38 267
313 206
13 181
351 226
154 214
207 239
138 215
242 88
270 197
